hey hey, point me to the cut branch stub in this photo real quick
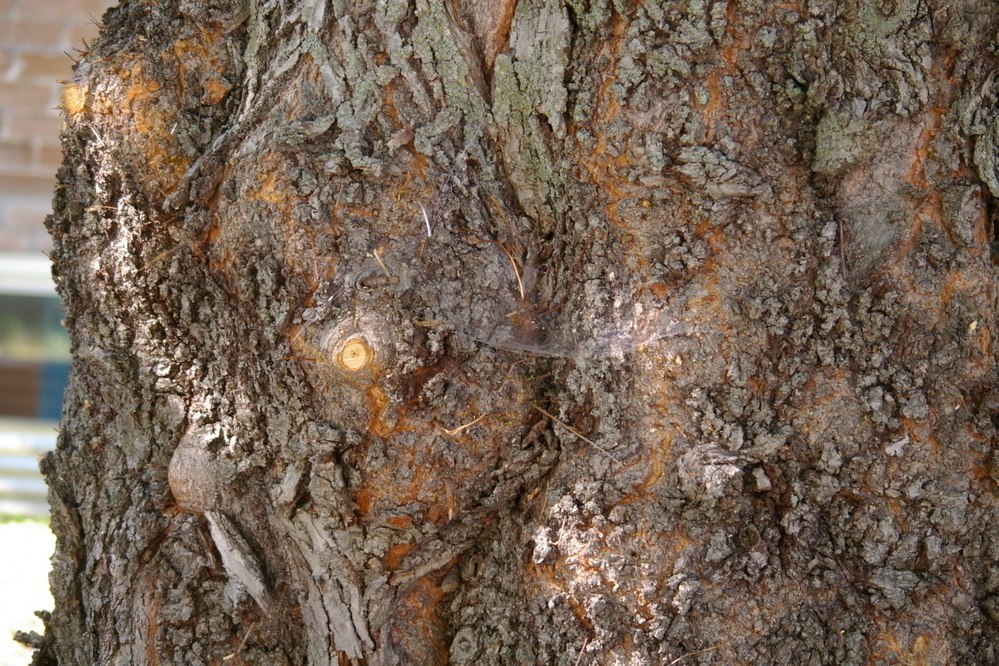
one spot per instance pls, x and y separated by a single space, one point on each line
355 354
358 348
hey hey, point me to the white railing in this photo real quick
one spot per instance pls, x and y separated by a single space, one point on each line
22 488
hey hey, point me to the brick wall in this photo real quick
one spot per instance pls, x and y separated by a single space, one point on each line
35 36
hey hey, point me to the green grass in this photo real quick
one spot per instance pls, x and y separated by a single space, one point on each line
11 518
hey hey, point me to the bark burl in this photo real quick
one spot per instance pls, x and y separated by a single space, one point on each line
537 332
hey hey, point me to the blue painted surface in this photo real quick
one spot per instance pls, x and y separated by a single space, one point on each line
54 376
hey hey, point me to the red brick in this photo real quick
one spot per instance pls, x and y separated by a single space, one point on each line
60 11
14 156
43 37
96 8
27 218
14 242
46 68
49 158
27 185
41 242
80 36
55 11
26 98
34 129
19 241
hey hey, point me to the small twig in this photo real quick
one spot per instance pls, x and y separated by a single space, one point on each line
509 370
378 258
152 262
513 262
469 424
842 248
582 651
535 378
95 21
578 434
241 644
97 136
506 218
516 271
426 220
544 503
691 654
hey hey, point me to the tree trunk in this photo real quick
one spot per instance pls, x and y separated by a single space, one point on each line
538 332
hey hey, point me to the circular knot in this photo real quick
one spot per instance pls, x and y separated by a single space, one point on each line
355 355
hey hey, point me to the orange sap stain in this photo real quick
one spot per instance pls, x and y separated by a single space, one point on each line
715 106
710 300
141 88
395 555
364 499
985 339
399 521
389 107
215 91
657 463
268 190
916 173
138 110
423 599
376 401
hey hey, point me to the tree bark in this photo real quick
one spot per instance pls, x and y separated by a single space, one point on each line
537 332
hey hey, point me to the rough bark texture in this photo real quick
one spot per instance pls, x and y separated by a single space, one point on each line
531 332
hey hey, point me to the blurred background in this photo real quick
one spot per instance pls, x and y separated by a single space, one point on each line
38 39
